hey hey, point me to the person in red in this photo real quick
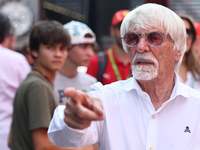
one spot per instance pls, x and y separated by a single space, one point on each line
117 64
196 45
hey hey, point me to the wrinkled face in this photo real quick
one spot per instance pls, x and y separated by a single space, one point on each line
80 54
189 39
50 57
150 62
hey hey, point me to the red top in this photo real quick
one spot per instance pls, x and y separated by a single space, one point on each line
109 74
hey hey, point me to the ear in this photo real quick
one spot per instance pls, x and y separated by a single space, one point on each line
34 53
177 55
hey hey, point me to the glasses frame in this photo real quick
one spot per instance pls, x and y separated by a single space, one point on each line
139 36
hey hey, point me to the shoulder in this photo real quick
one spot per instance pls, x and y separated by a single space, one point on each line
187 91
87 77
94 58
193 92
7 53
14 60
115 88
60 77
34 81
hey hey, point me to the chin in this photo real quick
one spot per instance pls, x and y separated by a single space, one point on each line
144 73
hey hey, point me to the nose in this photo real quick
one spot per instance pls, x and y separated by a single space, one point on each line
59 52
142 45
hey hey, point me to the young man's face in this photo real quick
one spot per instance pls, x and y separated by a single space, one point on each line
115 32
49 57
80 54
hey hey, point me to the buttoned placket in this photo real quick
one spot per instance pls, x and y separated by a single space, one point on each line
152 125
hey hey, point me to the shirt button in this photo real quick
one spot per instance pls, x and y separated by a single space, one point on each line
72 145
153 116
151 148
144 95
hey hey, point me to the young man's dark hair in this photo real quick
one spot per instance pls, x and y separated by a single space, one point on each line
34 101
6 28
48 33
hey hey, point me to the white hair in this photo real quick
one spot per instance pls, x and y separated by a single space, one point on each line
160 17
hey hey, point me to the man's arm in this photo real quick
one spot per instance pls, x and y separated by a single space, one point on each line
42 142
80 111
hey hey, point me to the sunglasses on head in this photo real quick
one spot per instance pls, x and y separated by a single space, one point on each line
154 39
189 32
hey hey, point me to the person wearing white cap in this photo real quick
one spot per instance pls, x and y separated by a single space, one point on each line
82 39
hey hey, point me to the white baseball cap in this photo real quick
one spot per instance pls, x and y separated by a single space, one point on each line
78 32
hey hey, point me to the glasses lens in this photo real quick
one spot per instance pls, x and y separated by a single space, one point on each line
131 38
189 32
154 38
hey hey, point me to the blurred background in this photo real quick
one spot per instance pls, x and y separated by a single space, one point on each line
97 14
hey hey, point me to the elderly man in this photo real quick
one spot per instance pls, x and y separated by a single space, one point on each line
152 110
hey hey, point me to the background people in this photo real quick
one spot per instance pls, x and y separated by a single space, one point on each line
115 61
13 69
190 67
34 101
82 39
196 45
27 53
10 40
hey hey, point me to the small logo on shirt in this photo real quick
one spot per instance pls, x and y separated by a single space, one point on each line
107 76
187 129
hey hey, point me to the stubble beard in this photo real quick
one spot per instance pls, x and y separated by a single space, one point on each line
142 72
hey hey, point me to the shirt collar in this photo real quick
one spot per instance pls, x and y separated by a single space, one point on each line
179 88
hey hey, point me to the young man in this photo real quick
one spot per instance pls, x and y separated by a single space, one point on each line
114 64
13 69
152 110
34 101
82 39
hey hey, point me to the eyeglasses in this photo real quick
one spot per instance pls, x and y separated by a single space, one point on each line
189 32
154 39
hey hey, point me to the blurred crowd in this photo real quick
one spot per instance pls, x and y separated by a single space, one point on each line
51 62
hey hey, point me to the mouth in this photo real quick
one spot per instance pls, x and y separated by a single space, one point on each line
57 62
143 62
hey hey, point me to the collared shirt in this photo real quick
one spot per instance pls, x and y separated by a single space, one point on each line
13 69
132 123
109 75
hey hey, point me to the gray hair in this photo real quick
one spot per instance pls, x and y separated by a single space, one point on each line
160 17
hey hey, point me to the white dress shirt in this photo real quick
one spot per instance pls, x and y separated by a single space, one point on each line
132 123
13 69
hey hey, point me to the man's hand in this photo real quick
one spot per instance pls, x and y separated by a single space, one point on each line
81 109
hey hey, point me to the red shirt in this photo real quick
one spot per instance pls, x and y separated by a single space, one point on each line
109 74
